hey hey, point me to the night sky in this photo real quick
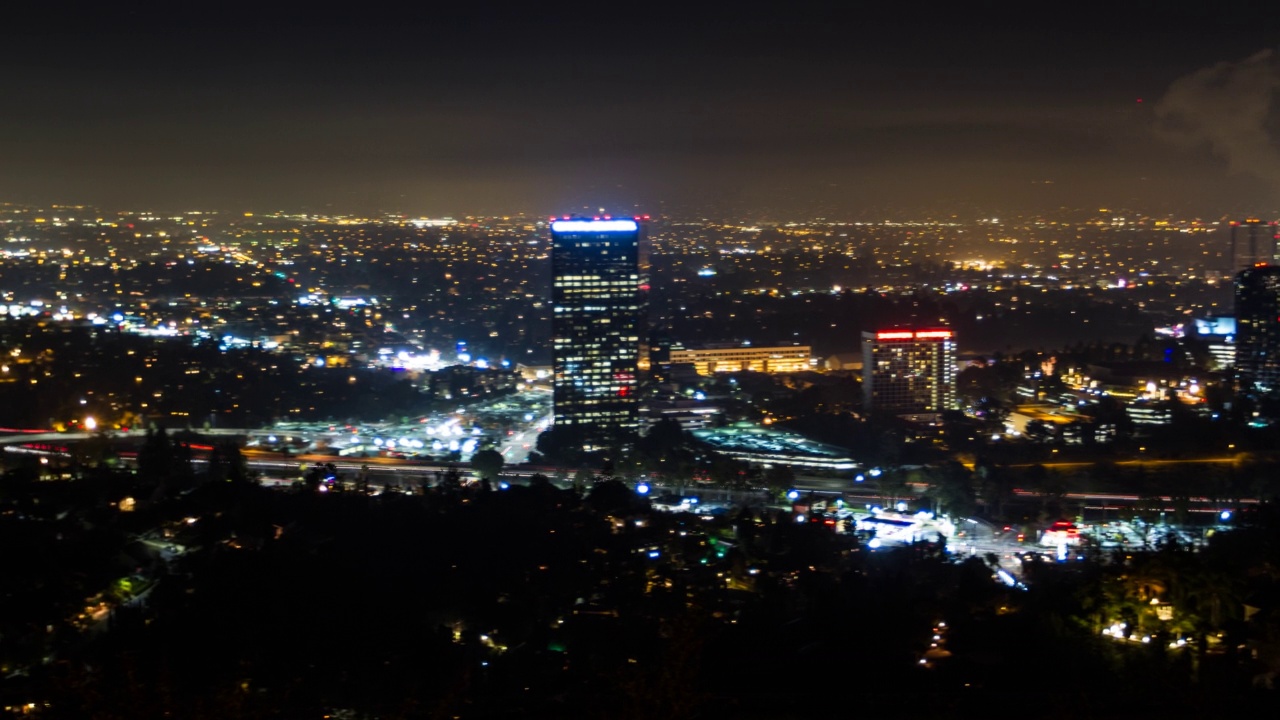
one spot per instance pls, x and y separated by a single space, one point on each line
783 111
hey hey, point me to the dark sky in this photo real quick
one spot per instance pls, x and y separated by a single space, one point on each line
773 111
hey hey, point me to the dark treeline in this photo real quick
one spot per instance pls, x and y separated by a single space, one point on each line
473 602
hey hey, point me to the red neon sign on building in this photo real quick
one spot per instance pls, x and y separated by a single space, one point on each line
914 335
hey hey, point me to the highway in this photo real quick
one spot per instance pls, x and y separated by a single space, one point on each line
516 448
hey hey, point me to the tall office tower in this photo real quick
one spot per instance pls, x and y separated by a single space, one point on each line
909 371
595 326
1258 328
1252 242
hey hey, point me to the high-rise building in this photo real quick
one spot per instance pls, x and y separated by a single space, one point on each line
596 323
909 371
1258 328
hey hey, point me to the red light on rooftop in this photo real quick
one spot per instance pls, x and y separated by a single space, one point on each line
895 335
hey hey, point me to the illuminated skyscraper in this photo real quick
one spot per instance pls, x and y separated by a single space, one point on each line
597 307
1258 328
909 371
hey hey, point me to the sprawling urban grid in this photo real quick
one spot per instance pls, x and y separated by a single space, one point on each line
298 465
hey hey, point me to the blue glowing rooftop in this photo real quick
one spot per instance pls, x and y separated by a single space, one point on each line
565 226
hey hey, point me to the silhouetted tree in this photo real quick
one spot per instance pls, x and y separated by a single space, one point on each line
487 463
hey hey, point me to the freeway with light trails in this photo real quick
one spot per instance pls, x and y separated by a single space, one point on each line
516 448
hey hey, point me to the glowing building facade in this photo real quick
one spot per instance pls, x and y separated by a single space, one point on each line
597 307
909 371
711 359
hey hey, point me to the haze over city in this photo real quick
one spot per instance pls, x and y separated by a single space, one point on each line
759 111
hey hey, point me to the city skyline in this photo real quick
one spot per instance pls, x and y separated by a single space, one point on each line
639 361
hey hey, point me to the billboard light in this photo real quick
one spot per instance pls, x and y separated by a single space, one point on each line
561 226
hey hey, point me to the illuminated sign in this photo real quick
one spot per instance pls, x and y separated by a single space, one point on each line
913 335
562 226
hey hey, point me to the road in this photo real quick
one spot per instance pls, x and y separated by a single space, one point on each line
1154 462
515 448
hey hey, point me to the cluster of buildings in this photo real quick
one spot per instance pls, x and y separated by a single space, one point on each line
598 316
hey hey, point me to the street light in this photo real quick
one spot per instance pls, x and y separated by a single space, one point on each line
90 423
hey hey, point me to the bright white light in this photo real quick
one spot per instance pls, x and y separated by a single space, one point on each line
1225 515
873 543
902 507
793 494
859 477
875 472
564 226
642 488
90 423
